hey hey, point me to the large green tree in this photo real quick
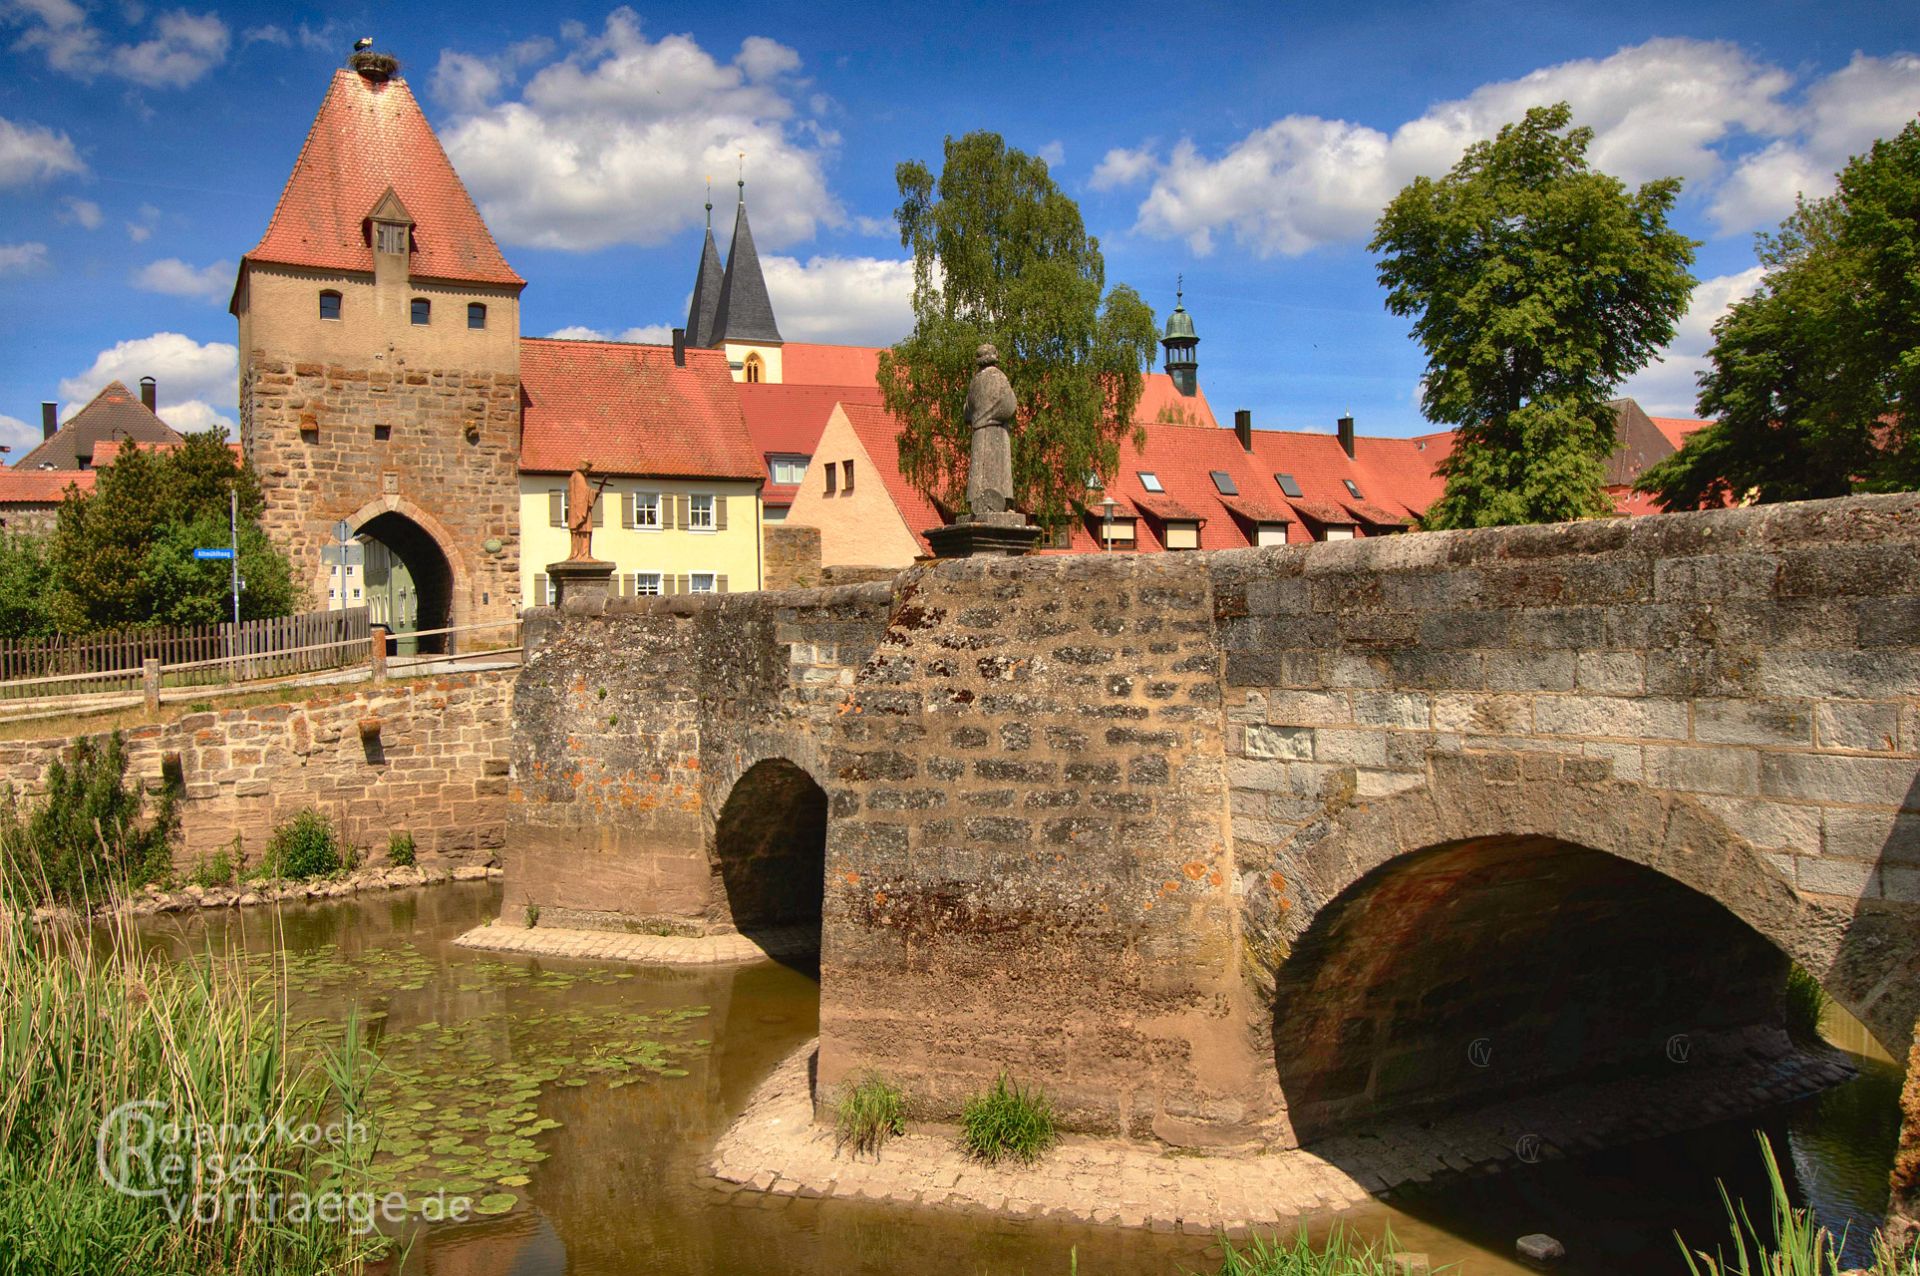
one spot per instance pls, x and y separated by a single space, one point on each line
1000 255
1814 380
122 555
1537 285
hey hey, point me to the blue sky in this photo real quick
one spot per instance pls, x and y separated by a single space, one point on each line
1248 147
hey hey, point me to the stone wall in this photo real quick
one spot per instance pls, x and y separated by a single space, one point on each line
632 726
313 432
434 765
792 556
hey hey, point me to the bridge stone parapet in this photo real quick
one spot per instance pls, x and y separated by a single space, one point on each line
1254 846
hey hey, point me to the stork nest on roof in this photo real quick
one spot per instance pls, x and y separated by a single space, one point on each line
375 66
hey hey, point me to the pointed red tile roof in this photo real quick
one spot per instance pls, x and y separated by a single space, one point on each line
631 411
879 434
368 137
114 413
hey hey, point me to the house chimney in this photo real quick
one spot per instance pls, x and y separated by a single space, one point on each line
1345 426
49 420
1243 428
149 392
679 347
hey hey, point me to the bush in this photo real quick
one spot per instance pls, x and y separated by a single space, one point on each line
304 847
869 1113
86 838
215 870
400 850
1007 1121
1806 1002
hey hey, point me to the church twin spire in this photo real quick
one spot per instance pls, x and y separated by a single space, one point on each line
731 304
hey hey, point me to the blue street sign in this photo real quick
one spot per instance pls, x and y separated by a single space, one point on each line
212 553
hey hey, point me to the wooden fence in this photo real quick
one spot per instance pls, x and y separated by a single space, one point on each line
306 643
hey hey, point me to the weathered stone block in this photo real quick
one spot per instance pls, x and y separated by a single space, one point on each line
1279 742
1753 721
1852 724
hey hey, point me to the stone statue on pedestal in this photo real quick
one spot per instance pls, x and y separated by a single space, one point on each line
991 408
991 525
580 502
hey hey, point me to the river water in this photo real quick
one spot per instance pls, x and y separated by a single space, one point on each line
580 1104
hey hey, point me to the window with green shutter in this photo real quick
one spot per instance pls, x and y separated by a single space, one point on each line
556 507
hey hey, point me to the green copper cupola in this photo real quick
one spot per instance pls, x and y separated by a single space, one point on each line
1183 360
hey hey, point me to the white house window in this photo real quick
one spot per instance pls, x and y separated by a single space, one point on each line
700 516
788 469
645 512
700 583
1150 481
646 584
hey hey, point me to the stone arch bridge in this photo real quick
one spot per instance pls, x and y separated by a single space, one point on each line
1245 848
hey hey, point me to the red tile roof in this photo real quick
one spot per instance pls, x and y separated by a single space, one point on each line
1677 428
42 487
1160 398
114 413
787 419
631 411
879 435
367 138
802 363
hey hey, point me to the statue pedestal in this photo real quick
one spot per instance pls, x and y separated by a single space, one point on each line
970 534
581 584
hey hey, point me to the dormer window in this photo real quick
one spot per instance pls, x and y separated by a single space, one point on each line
329 304
389 237
422 311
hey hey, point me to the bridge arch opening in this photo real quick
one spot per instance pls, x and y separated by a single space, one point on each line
408 581
1483 969
770 851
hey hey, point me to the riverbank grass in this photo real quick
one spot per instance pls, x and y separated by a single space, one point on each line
1341 1254
869 1112
1795 1243
116 1060
1007 1122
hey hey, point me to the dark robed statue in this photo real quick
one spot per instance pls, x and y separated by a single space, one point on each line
990 411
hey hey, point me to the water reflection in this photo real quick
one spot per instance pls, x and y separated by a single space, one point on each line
623 1190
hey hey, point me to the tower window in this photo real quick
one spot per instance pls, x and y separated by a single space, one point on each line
476 315
329 304
756 369
389 237
422 310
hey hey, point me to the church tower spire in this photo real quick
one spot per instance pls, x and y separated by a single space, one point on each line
706 287
745 312
1183 361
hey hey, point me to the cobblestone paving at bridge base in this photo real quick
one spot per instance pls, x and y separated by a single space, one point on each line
777 1147
664 950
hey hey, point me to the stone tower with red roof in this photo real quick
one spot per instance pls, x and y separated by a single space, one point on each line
380 366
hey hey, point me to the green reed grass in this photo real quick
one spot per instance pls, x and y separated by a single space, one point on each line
869 1112
1342 1254
90 1021
1806 1002
1007 1122
1792 1244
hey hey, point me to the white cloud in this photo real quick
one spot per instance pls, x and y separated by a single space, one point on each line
653 334
176 278
182 48
1054 153
1665 107
185 47
1843 114
18 437
30 153
269 34
848 300
1669 388
198 384
84 211
1121 167
610 143
139 234
465 83
19 259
